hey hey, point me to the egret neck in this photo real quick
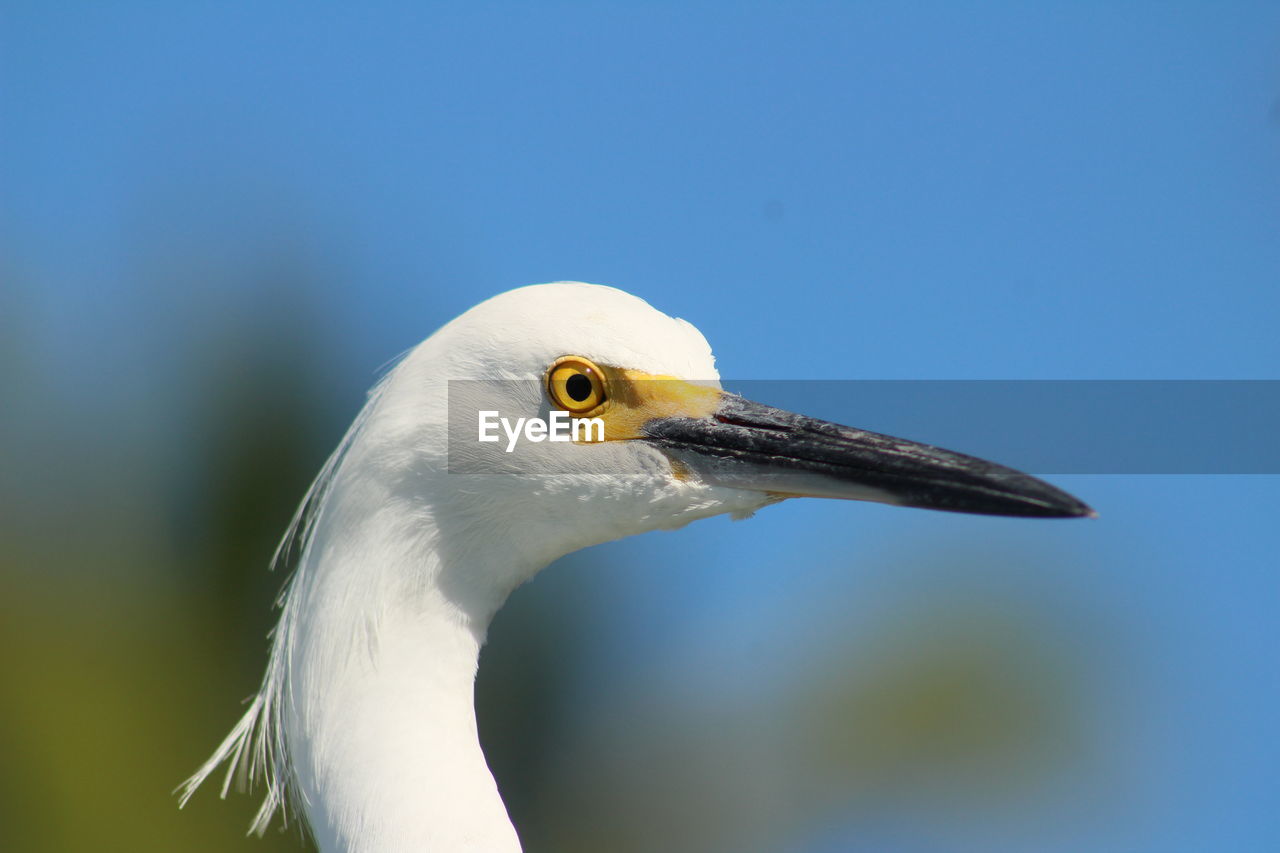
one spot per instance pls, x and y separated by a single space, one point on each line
387 622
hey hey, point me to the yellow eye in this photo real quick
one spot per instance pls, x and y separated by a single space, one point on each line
575 385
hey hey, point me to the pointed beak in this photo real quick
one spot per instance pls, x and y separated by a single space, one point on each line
747 445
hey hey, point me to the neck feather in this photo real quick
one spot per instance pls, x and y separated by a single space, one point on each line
366 714
384 634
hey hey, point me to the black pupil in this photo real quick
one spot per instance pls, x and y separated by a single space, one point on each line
578 387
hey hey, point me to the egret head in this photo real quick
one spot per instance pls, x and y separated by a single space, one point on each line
663 444
418 528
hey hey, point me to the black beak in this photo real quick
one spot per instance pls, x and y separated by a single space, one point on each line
748 445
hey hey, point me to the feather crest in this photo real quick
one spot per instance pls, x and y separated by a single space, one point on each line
255 750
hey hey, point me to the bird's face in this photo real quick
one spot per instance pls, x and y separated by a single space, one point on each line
650 439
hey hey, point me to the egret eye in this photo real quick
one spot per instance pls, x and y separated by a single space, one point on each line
575 385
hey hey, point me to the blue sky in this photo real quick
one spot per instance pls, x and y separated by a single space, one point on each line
828 190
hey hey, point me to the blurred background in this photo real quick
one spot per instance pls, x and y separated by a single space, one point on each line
218 221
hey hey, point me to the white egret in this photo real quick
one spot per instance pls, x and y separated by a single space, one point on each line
415 532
